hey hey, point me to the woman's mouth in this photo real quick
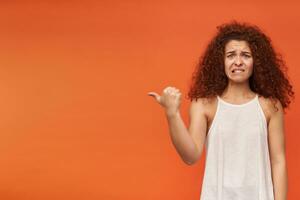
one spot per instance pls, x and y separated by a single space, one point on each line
237 71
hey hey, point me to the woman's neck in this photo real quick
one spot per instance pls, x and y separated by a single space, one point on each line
238 91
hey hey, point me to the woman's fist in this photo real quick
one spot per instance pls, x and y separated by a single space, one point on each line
170 99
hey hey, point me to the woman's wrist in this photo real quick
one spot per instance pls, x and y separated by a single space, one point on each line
172 112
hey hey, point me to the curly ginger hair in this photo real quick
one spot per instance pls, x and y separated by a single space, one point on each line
269 78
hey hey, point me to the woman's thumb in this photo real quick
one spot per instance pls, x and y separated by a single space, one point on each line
155 95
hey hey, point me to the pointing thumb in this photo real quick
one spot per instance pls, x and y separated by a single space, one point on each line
155 95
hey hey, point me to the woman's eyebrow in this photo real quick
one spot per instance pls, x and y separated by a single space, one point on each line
230 51
233 51
246 52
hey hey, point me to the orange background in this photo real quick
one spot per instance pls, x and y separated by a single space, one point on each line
76 121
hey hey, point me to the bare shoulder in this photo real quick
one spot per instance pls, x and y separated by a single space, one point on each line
203 105
206 107
270 107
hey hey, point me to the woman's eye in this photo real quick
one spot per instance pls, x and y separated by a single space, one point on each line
247 56
230 56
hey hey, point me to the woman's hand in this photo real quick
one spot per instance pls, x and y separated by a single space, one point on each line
170 99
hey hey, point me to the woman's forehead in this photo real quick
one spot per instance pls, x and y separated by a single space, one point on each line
237 45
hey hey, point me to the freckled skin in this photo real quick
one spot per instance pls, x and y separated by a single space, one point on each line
238 55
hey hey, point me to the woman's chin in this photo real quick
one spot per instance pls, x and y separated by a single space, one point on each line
238 80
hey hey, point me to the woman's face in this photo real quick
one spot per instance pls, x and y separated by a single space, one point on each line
238 61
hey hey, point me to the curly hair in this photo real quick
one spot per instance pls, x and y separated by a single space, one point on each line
269 78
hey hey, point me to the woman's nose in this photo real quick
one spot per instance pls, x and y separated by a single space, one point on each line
238 60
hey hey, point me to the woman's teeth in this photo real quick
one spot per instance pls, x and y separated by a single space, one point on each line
237 71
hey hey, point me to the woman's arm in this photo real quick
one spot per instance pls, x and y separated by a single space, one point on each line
277 153
189 142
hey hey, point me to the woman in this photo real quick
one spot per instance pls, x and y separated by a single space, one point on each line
238 95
